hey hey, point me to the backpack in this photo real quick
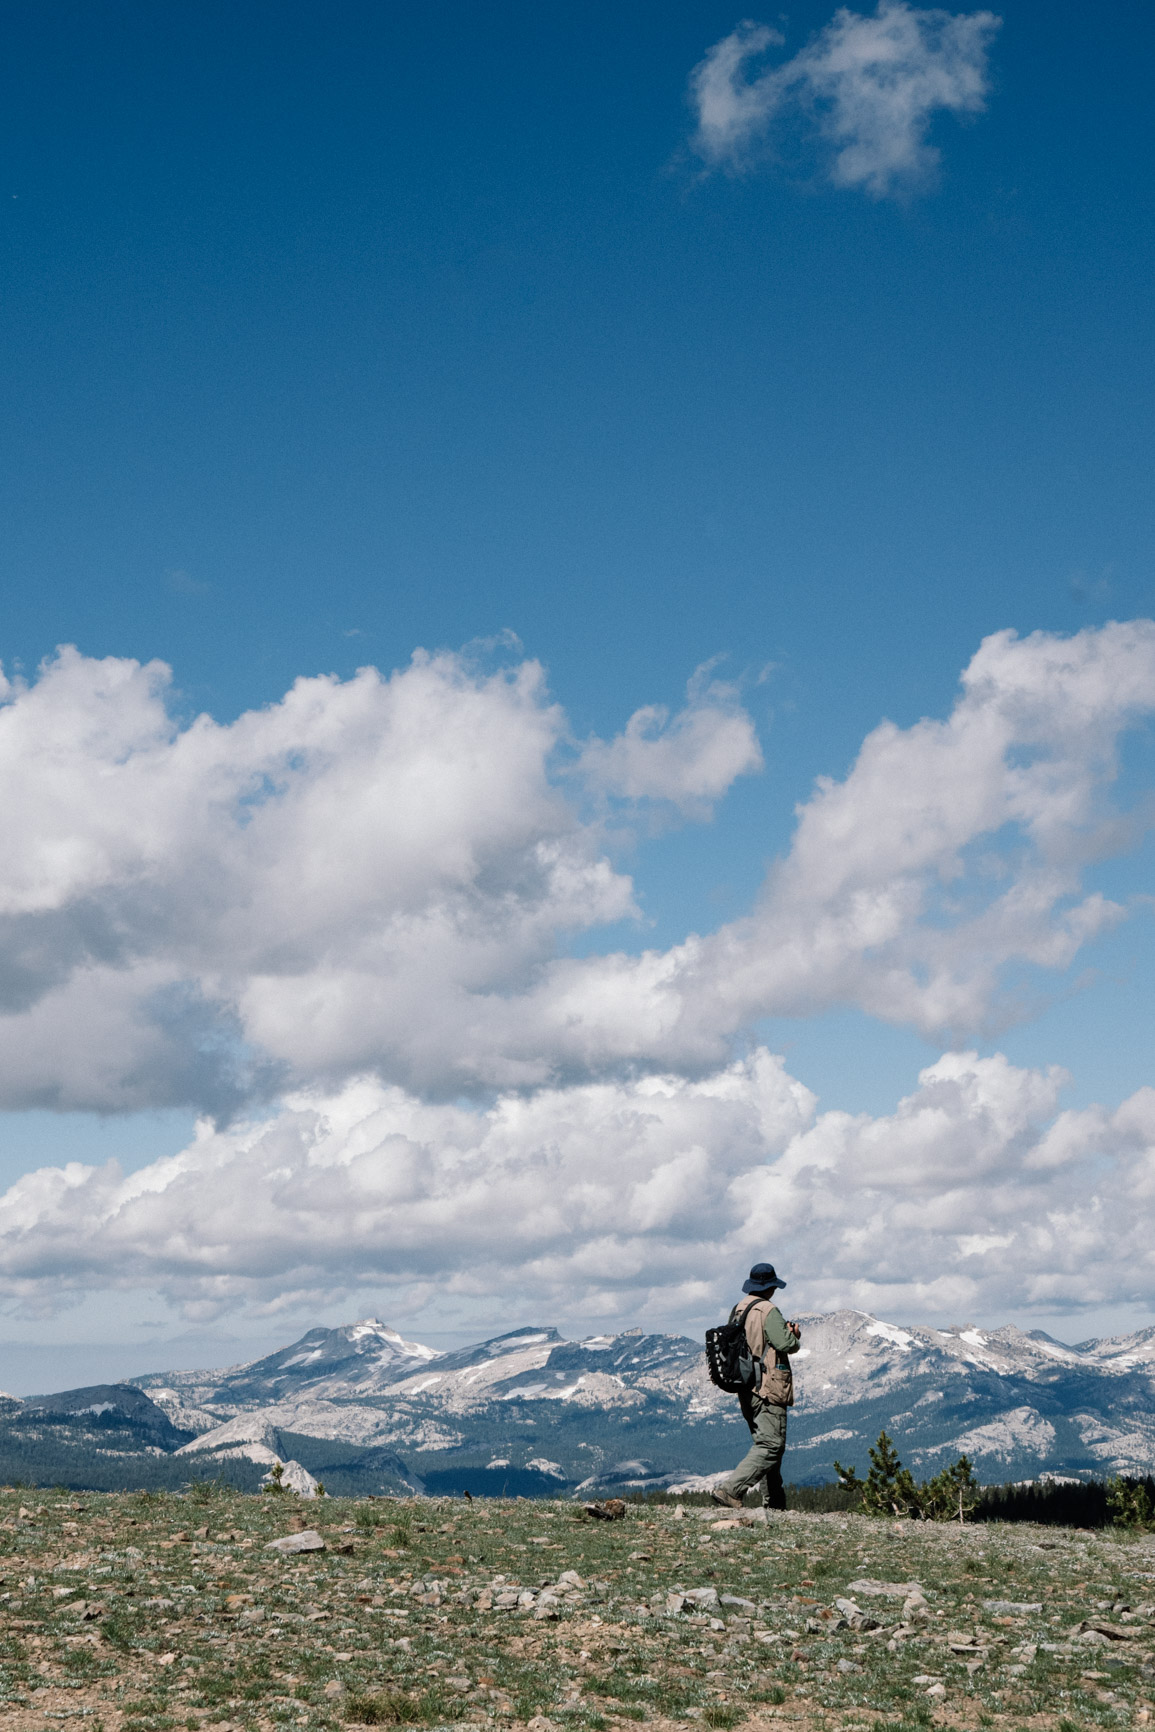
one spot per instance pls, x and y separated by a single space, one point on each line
729 1360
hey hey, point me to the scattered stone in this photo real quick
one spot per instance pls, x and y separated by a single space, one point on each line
849 1666
855 1616
334 1688
895 1590
1113 1632
1012 1608
612 1510
308 1541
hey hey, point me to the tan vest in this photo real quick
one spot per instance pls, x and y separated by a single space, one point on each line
777 1386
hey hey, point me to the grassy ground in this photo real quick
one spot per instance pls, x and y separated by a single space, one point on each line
145 1613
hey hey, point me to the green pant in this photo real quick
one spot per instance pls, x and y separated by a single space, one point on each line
763 1460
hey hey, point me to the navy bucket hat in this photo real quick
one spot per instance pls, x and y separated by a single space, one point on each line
762 1277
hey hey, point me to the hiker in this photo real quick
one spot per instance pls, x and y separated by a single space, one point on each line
771 1339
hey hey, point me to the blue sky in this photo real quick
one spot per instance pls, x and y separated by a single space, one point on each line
328 337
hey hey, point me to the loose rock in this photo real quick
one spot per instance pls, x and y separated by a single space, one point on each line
612 1510
308 1541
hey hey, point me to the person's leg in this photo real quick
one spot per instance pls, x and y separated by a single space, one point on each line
746 1402
764 1456
773 1491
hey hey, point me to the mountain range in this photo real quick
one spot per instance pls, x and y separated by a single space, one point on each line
531 1413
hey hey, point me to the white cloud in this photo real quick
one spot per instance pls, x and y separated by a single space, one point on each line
625 1200
377 875
321 869
591 1191
952 852
689 760
951 1206
868 86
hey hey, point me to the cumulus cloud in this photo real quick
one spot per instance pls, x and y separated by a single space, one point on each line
867 87
953 852
643 1198
689 760
183 910
380 875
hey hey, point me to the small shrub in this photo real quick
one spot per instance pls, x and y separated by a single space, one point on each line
390 1709
719 1716
951 1494
1132 1503
202 1491
890 1488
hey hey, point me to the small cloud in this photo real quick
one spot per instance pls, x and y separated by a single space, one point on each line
688 760
180 582
864 89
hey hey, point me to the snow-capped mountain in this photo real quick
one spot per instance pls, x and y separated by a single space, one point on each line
530 1411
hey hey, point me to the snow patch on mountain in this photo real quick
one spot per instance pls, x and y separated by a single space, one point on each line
1019 1403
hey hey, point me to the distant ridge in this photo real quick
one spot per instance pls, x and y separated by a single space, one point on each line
528 1412
563 1411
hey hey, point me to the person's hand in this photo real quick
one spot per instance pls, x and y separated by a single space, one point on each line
797 1327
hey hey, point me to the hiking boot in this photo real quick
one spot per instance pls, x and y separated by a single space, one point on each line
726 1499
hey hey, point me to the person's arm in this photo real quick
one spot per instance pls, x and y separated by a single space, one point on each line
780 1335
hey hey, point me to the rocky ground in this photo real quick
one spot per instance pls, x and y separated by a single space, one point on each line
143 1613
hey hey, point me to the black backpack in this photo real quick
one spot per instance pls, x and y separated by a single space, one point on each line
729 1360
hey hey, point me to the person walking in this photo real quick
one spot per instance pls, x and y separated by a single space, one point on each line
771 1339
